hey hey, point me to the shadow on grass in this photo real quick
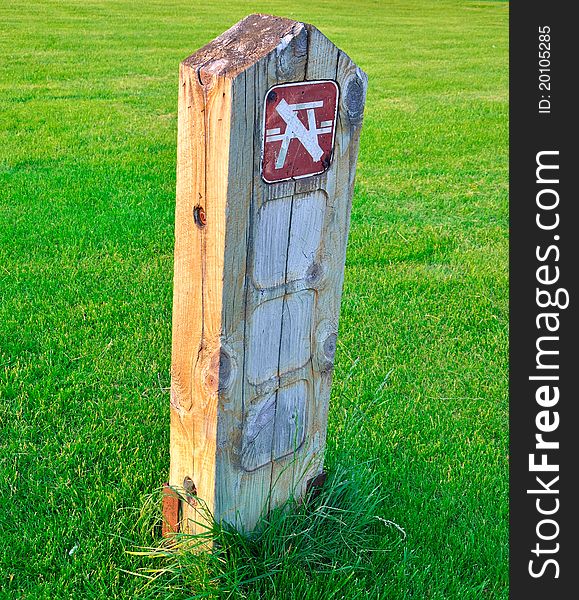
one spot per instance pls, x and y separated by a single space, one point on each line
308 549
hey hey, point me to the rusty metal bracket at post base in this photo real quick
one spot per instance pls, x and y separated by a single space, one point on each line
171 506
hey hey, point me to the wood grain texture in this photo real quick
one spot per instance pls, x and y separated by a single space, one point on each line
202 168
258 286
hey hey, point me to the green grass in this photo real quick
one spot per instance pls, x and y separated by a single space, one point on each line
418 433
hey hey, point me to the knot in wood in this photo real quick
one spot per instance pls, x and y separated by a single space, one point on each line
314 273
199 216
212 372
226 367
291 51
190 490
330 346
354 99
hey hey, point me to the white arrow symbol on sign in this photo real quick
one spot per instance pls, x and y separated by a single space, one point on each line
296 129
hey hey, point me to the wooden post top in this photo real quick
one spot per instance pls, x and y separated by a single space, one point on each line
242 45
247 42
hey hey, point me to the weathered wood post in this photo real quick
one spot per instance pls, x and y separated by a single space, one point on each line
270 114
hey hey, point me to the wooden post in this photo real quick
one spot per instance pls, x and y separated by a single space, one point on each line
265 176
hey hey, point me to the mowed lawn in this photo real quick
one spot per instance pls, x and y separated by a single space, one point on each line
418 427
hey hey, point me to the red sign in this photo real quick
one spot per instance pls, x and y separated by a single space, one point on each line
298 129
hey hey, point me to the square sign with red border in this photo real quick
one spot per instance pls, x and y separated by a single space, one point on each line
298 130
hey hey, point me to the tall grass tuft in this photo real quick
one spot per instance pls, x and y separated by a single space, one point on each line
327 536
